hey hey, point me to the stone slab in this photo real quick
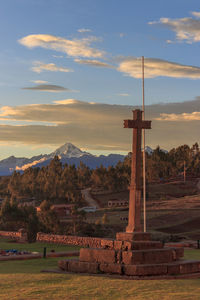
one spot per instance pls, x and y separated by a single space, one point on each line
132 257
118 245
82 267
184 267
145 270
179 253
111 268
141 245
152 256
107 244
157 256
133 236
97 255
63 264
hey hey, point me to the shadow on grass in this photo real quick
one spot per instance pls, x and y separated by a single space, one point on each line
31 266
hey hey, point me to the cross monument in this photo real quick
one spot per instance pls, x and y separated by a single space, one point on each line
134 219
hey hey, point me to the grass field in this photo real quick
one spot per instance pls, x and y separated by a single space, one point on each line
23 280
34 247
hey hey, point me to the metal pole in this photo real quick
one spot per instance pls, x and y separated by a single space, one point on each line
184 172
144 157
45 252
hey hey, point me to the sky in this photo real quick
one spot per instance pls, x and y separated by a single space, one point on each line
70 71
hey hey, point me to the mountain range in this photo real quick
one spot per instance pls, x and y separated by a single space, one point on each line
68 153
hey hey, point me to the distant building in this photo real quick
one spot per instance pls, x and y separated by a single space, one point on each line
62 210
117 203
88 209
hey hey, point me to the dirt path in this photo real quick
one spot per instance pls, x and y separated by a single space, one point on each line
88 198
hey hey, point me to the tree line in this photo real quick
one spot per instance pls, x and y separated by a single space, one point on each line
56 183
62 184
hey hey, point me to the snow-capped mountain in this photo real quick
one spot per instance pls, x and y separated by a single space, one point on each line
150 151
64 152
68 153
68 150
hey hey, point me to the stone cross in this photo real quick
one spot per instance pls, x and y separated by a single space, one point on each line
134 219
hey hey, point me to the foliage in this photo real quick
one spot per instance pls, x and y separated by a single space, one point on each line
62 184
14 217
55 183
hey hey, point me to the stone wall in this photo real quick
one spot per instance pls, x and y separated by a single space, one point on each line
91 242
20 235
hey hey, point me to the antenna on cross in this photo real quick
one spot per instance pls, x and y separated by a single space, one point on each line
144 156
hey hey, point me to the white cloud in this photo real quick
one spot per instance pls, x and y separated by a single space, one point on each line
83 30
67 101
93 62
58 56
47 88
75 47
124 94
7 111
26 166
194 116
186 29
121 35
40 67
39 81
99 126
157 67
196 14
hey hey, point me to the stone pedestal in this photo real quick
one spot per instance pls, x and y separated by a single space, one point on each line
132 254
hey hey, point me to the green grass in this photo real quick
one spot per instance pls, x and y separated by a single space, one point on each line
35 247
31 266
193 254
22 280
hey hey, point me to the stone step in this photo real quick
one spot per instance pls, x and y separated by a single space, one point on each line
175 268
77 266
131 257
133 236
137 245
98 255
151 256
130 245
184 267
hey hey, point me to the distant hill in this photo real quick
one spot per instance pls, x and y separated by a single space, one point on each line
68 153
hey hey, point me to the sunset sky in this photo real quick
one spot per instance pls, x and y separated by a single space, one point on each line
70 71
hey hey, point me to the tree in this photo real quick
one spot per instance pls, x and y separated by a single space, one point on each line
48 219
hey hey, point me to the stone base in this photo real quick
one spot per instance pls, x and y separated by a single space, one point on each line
147 256
175 268
132 254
